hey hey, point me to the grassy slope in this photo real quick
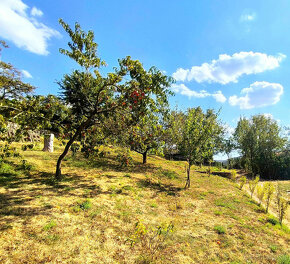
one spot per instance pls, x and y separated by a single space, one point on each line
88 217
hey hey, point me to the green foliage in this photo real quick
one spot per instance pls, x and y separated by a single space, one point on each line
260 193
272 220
282 203
227 146
200 136
129 92
269 190
253 184
146 135
74 148
273 248
150 240
283 259
124 158
82 206
233 175
259 140
25 166
243 181
49 225
220 229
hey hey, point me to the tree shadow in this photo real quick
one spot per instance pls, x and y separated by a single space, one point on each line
169 189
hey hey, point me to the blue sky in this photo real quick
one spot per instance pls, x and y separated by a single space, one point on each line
233 55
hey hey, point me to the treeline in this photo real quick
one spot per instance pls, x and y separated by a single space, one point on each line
129 107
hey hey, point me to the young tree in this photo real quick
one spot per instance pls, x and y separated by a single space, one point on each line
146 136
269 190
200 129
93 97
172 136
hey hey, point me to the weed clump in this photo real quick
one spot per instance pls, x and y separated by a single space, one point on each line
283 259
82 206
151 241
220 229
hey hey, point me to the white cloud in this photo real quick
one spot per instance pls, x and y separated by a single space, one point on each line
228 68
248 17
268 115
259 94
24 30
184 90
26 74
36 12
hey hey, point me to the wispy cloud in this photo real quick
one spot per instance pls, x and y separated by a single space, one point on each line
184 90
36 12
228 68
259 94
23 28
26 74
247 17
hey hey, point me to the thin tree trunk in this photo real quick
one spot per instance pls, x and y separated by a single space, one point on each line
187 185
144 157
61 157
66 149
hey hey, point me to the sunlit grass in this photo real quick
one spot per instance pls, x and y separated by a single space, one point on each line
89 216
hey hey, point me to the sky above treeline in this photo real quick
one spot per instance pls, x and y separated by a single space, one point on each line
228 55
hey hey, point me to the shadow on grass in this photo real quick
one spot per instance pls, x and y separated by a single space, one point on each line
169 189
108 164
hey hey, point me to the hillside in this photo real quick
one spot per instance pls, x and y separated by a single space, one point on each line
91 216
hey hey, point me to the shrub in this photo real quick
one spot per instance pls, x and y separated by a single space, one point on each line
243 181
282 204
150 241
220 229
253 184
269 191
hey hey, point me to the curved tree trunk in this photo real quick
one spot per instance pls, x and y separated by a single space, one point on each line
66 149
61 157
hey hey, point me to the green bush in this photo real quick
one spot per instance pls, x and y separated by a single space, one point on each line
283 259
220 229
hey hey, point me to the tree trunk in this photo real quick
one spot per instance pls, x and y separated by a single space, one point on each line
61 157
48 143
187 185
66 149
144 157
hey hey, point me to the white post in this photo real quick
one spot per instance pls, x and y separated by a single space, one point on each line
48 142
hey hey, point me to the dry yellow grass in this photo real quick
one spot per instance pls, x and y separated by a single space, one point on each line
90 216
